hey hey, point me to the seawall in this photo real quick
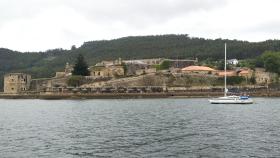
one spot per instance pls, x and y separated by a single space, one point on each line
130 95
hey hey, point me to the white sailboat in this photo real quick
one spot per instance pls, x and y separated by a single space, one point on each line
233 99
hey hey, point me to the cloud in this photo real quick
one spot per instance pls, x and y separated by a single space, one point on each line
16 9
53 28
141 12
37 25
43 24
108 10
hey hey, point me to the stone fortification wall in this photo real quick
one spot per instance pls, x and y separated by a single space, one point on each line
43 85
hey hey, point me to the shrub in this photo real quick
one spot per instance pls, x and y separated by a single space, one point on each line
75 81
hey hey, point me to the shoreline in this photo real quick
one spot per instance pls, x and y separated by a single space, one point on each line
60 96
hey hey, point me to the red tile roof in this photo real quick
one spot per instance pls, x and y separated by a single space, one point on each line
229 73
197 68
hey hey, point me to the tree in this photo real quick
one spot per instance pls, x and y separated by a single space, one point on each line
164 65
272 64
81 67
73 47
271 61
235 80
221 65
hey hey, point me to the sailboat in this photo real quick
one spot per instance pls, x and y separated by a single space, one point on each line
232 99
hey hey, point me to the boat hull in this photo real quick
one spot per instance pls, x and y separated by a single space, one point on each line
231 101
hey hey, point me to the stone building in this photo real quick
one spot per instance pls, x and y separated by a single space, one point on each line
145 71
247 73
132 68
263 77
105 69
181 63
176 63
15 83
59 74
104 63
67 71
155 61
111 71
47 84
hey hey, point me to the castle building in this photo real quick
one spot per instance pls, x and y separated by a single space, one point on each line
111 69
15 83
107 71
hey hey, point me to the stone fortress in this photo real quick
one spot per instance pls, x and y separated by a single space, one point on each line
139 75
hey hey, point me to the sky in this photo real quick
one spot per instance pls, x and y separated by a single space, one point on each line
39 25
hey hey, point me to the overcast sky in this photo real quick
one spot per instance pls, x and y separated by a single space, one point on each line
38 25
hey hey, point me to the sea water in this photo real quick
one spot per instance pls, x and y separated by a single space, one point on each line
139 128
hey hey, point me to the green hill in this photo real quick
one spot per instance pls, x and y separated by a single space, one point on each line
45 64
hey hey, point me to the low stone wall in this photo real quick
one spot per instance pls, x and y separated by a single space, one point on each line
131 95
40 85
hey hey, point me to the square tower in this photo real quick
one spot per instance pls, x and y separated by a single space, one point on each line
15 83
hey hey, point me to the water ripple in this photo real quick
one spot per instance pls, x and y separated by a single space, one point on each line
138 128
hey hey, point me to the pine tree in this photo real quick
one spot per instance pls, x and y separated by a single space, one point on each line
81 67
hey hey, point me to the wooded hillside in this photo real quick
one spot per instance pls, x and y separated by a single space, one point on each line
45 64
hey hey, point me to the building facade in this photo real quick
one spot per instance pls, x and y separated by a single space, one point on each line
155 61
67 71
107 71
233 61
264 77
15 83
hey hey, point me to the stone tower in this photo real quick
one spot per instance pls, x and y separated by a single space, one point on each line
68 69
15 83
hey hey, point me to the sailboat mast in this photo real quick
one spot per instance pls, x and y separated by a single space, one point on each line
225 93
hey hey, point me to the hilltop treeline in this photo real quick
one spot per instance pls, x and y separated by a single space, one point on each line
45 64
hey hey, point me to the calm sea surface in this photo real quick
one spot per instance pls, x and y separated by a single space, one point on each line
139 128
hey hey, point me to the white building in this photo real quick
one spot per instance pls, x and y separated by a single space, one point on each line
233 61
